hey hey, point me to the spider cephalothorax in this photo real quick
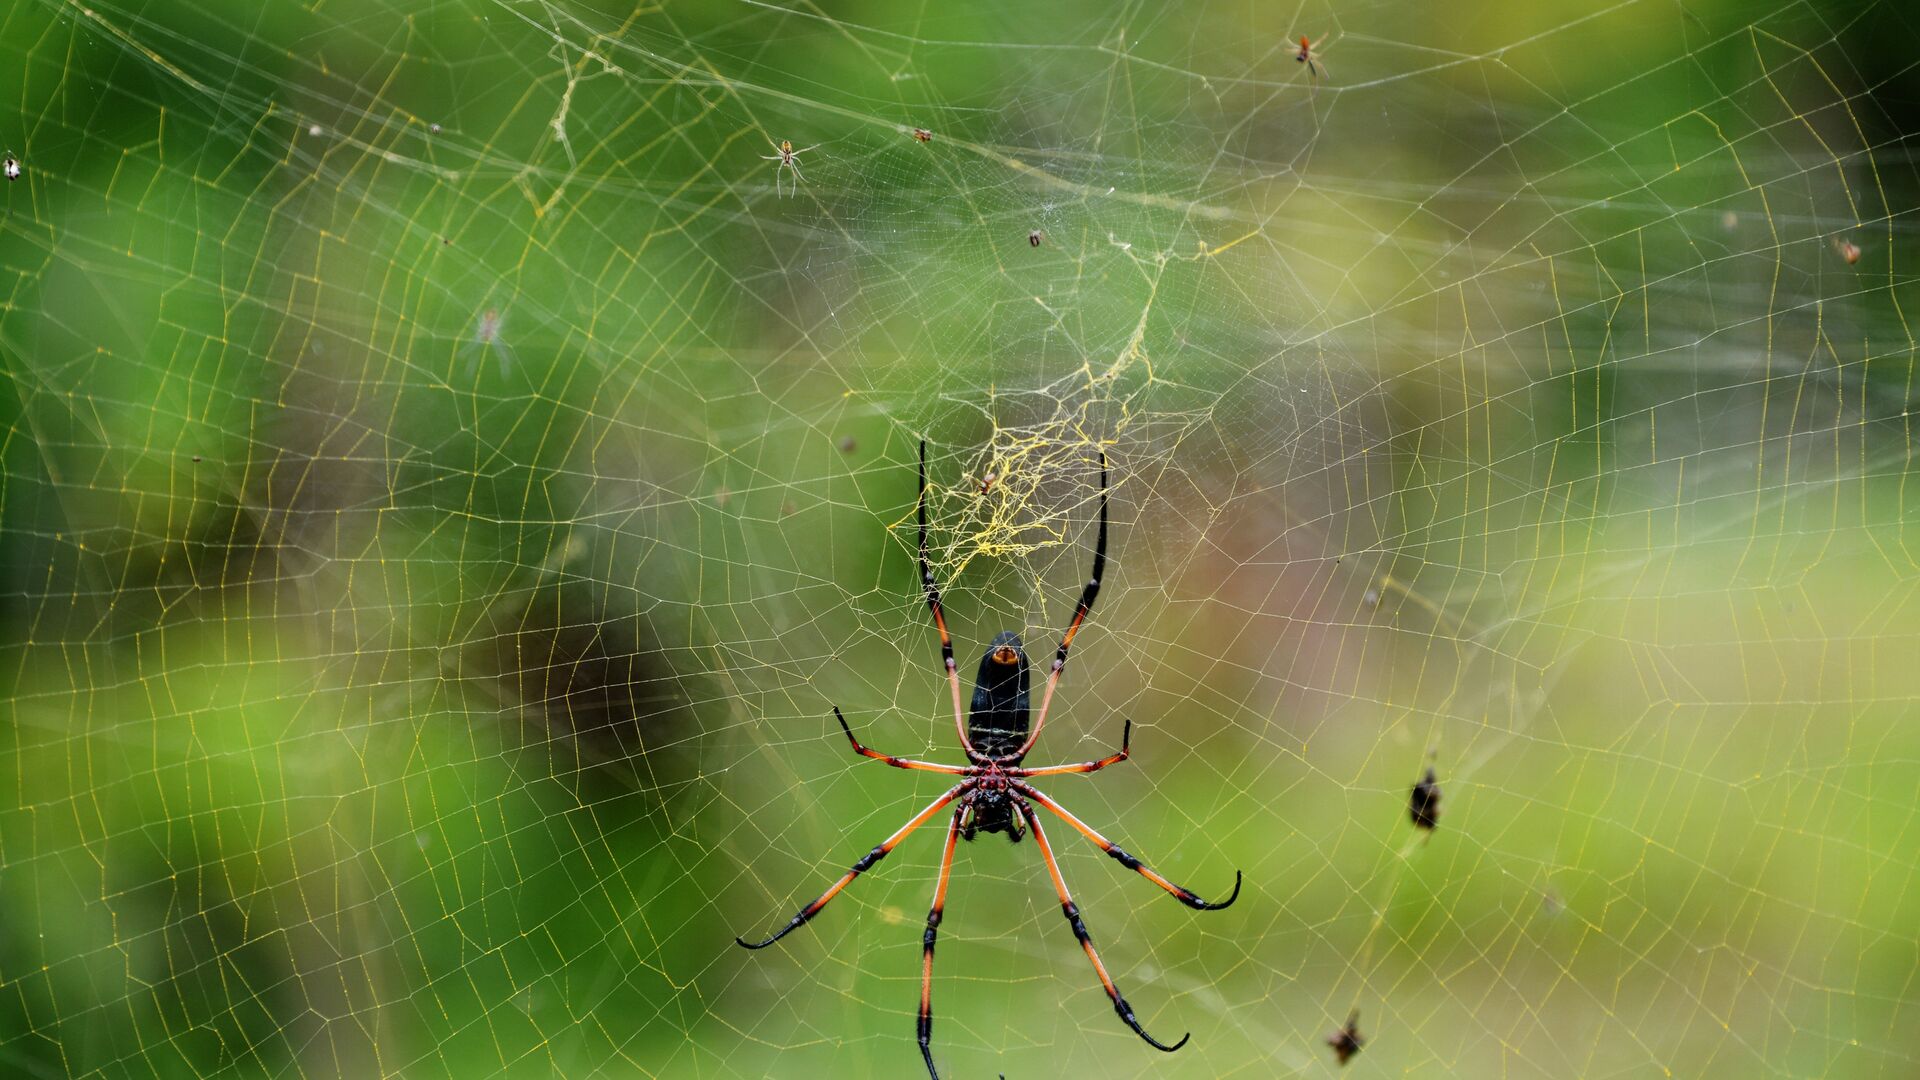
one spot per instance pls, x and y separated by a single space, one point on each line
993 794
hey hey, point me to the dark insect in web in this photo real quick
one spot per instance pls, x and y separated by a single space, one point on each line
923 134
994 794
1423 804
1347 1041
1034 238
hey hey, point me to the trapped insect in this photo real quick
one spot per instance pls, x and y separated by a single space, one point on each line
12 166
486 337
789 159
1423 803
1848 250
1347 1041
1034 238
993 794
923 134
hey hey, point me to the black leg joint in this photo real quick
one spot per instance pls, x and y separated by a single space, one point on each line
1125 1011
869 859
1120 856
1072 912
926 1050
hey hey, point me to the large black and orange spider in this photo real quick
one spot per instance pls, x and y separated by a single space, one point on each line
993 794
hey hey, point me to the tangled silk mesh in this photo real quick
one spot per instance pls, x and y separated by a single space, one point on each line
447 488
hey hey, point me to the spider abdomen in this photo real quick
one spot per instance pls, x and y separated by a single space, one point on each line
997 723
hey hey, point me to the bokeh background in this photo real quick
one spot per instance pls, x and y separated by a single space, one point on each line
449 476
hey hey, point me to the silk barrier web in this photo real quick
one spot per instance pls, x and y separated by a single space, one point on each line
453 468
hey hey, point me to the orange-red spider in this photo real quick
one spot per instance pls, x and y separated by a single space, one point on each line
1309 55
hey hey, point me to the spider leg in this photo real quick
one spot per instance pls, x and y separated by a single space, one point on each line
940 617
1126 736
1080 610
933 930
1185 896
866 861
897 762
1072 913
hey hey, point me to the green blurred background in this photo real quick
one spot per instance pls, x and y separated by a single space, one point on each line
446 488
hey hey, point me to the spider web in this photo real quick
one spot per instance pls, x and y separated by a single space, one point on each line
446 489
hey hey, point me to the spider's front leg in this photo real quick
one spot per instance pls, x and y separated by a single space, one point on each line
866 862
932 588
898 762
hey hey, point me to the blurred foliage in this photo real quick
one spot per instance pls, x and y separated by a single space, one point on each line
382 702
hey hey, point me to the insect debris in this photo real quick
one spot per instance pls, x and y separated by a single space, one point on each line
1347 1041
1423 804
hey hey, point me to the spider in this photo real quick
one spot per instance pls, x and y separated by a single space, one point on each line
1315 60
993 793
789 159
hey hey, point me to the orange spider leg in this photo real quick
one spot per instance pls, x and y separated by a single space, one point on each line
940 618
898 762
934 915
1087 597
866 861
1072 912
1120 855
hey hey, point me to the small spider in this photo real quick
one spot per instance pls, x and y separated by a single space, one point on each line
12 166
1310 55
1034 238
789 159
1423 804
1347 1041
923 134
993 793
